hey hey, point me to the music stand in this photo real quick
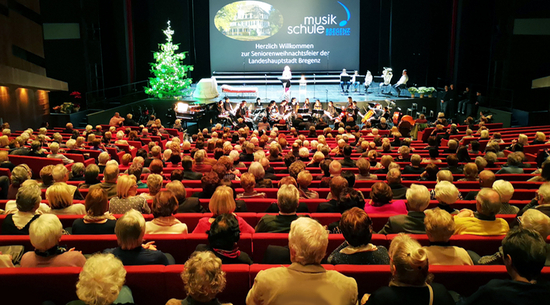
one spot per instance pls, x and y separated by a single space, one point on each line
361 80
303 110
343 80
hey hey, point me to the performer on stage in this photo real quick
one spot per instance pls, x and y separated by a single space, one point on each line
283 107
344 83
273 112
354 81
307 105
331 111
368 80
285 79
242 110
220 108
402 83
294 104
227 105
387 75
318 105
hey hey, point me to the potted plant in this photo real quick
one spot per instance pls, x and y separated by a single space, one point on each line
430 91
422 91
412 91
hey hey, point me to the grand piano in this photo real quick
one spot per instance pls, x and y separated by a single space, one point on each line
199 113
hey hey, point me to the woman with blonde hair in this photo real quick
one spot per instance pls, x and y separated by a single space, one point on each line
540 138
203 278
126 199
410 283
165 206
60 198
199 164
222 202
154 184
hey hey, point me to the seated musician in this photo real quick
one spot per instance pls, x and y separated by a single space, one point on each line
285 79
368 80
227 104
307 105
402 83
354 81
332 110
344 83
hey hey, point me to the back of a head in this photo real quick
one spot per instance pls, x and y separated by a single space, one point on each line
505 189
446 192
28 197
524 251
488 202
308 241
224 232
350 198
380 194
222 201
96 202
203 277
440 225
165 204
418 197
445 175
364 166
288 198
416 160
45 232
177 188
356 226
394 176
534 219
111 173
129 230
335 168
408 260
486 178
295 168
452 160
101 279
337 184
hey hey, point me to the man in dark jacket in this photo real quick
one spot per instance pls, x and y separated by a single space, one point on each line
418 199
129 121
394 181
188 173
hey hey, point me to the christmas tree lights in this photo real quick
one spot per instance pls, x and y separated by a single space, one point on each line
170 74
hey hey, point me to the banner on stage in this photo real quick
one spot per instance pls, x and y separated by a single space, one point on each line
313 35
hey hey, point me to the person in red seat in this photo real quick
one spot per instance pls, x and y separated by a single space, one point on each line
165 204
19 174
199 165
381 201
524 252
129 231
470 171
440 227
486 180
28 201
222 202
414 167
185 205
541 201
418 199
356 226
482 222
126 199
305 280
258 171
223 236
90 177
116 120
337 184
304 181
364 170
506 190
410 282
203 279
45 233
248 182
446 194
287 201
60 198
60 174
97 220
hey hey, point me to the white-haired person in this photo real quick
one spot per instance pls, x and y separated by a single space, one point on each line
60 199
28 201
446 195
97 220
19 174
45 233
288 198
364 170
126 199
60 174
305 279
258 171
357 249
506 190
203 279
101 282
54 149
129 230
11 205
102 161
165 205
410 282
418 199
483 221
222 202
440 226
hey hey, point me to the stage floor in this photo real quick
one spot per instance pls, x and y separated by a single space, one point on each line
324 93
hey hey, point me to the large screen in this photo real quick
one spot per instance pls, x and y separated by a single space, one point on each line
307 35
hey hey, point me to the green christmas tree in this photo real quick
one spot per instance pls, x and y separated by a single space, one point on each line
170 73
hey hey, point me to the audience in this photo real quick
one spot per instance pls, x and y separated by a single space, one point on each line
418 199
382 201
126 198
97 220
28 201
287 201
60 199
248 182
484 221
165 205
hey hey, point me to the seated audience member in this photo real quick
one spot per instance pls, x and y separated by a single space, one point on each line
482 222
430 173
452 165
524 253
28 201
491 158
440 226
452 145
154 184
126 198
446 195
404 154
129 231
19 174
46 176
45 233
156 167
385 161
54 149
544 173
77 172
102 160
11 205
347 162
506 190
394 181
410 277
302 206
306 277
109 184
60 198
513 165
337 184
91 175
223 236
97 220
434 155
258 171
470 172
165 205
248 182
318 157
222 202
209 183
188 173
531 220
418 199
541 201
185 205
414 168
381 201
101 281
304 181
356 226
60 174
303 154
199 164
287 201
203 279
364 170
486 180
481 163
